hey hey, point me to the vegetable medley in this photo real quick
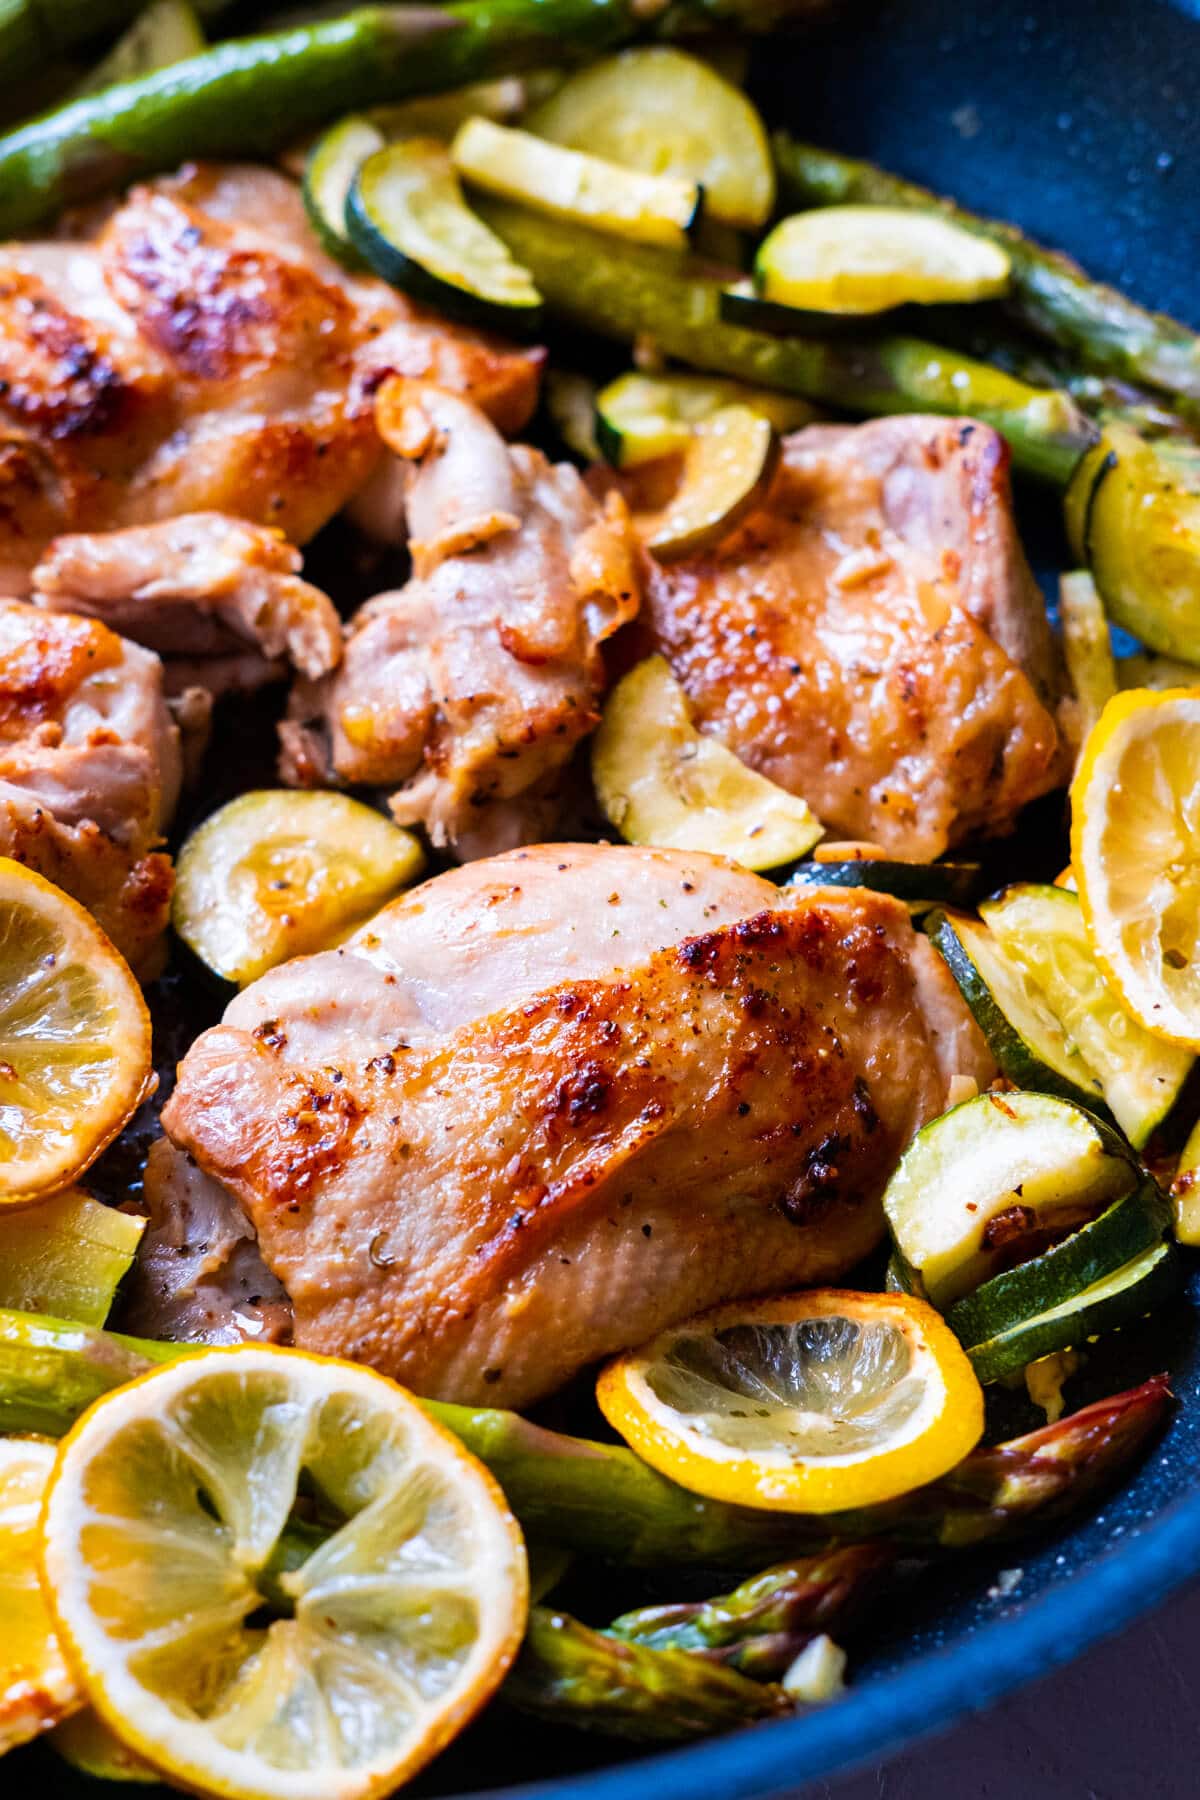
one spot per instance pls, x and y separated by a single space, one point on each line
723 1092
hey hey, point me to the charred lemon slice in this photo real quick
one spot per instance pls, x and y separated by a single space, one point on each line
251 1644
74 1037
36 1686
809 1403
1135 850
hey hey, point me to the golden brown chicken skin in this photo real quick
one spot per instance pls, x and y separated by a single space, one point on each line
201 353
872 638
89 770
551 1102
466 691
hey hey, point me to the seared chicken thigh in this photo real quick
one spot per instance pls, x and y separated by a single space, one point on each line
89 769
222 601
467 690
202 353
546 1104
872 639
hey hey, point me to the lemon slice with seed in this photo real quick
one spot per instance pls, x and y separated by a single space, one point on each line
809 1403
1135 850
74 1037
209 1632
36 1686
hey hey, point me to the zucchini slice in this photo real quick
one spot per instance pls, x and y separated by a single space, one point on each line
66 1256
1185 1191
727 469
920 885
865 259
570 401
998 1171
284 871
1041 930
1028 1042
167 32
1087 646
1130 1226
405 213
1133 515
1129 1293
742 304
332 164
667 113
640 418
663 782
647 209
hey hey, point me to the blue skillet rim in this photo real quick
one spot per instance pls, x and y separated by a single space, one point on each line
929 1695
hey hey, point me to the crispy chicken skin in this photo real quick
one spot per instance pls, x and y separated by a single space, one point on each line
201 353
548 1103
467 690
872 638
207 591
89 769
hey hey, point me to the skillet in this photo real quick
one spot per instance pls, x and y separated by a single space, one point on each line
1075 118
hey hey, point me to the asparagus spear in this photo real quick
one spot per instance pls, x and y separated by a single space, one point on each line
251 96
1050 294
573 1675
34 32
626 291
600 1500
761 1627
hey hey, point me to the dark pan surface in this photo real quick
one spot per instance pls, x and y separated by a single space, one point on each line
1077 119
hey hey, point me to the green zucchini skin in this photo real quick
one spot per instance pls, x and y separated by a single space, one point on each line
742 304
381 249
621 290
328 174
1014 1057
935 884
1126 1229
251 96
1153 1278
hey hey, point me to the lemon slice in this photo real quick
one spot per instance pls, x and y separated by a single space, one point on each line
283 871
1135 850
74 1037
223 1658
809 1403
36 1686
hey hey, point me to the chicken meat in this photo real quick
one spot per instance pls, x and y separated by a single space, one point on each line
872 639
466 691
546 1104
219 599
89 769
198 352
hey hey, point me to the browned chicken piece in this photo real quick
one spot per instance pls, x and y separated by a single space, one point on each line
872 638
198 1277
467 690
89 769
546 1104
210 593
200 353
